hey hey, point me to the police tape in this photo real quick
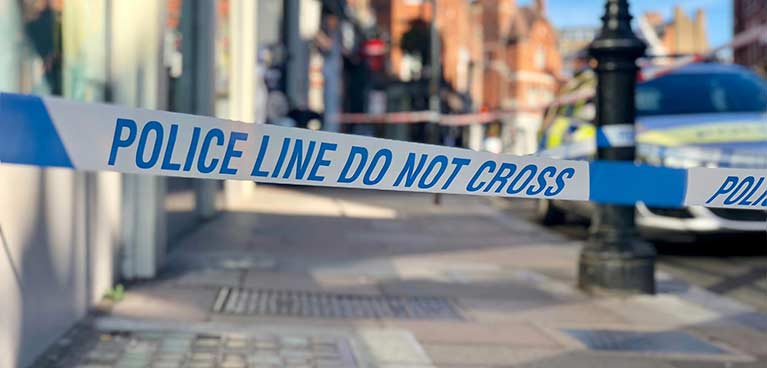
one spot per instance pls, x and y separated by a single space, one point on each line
616 135
414 117
52 132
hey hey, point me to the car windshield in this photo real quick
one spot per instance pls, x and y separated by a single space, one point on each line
701 93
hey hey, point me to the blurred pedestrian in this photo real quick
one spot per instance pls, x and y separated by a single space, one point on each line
328 41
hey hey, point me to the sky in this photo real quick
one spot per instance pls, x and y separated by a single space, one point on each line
566 13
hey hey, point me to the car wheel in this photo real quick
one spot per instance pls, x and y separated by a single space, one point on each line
548 214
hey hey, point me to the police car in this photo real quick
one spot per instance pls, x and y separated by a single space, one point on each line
705 114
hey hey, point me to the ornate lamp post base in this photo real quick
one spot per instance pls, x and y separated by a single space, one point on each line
615 260
603 270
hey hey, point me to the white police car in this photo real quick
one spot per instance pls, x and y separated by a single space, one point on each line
711 115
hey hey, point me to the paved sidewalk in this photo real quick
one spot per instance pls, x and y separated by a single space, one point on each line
301 277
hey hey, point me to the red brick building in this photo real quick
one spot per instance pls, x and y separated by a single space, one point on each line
459 27
748 14
524 65
504 56
507 55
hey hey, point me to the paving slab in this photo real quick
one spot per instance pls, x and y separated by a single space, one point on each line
699 364
496 289
579 359
389 346
746 339
560 313
201 278
178 304
508 334
307 282
469 355
660 310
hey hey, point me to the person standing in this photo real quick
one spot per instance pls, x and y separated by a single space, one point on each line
329 43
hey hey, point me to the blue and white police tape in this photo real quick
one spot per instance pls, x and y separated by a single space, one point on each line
43 131
616 135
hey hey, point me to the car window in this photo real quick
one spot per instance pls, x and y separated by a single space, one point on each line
701 93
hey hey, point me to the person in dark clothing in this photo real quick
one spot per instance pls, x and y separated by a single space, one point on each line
42 25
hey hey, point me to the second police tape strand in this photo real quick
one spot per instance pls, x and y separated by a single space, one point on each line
94 137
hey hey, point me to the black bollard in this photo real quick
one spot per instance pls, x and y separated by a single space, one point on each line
615 260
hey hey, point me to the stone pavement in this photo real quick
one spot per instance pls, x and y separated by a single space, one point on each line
300 277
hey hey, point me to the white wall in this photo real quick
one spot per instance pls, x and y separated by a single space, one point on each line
61 230
58 228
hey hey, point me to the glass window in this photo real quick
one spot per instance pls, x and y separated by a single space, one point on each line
701 93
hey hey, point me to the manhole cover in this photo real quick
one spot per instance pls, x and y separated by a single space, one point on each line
238 301
662 342
186 349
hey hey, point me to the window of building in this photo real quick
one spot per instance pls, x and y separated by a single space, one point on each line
540 58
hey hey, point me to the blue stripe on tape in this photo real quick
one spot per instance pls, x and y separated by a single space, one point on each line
602 140
28 135
627 183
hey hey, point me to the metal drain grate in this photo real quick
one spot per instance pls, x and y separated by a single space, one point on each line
662 342
110 348
237 301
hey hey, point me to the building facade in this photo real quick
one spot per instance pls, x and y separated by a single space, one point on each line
67 237
748 14
573 42
522 69
680 35
495 54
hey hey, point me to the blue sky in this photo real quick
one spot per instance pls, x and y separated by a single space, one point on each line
564 13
